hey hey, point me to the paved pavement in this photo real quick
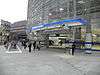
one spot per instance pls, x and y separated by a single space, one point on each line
48 62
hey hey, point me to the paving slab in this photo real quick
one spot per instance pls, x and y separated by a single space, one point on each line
48 62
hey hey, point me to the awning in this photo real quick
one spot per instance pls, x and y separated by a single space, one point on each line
69 22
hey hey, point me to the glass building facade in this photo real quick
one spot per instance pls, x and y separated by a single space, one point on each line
47 11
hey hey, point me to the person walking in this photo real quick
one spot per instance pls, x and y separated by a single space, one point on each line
38 45
73 48
24 44
29 45
61 43
34 45
6 44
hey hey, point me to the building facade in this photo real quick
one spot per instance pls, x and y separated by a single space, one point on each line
19 28
48 11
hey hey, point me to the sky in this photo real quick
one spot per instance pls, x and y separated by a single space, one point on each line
13 10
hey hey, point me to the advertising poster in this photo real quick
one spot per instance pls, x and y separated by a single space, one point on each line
88 44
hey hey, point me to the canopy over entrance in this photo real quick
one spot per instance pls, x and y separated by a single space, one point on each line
69 22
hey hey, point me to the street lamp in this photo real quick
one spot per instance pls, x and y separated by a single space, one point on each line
7 34
50 14
31 33
61 9
81 2
40 17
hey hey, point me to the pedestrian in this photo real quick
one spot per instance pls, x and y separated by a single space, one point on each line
67 47
29 45
24 44
73 48
38 45
34 45
15 44
5 44
61 43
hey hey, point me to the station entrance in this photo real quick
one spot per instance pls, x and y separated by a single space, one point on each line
60 38
62 34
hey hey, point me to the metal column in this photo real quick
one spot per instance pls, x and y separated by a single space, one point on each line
88 37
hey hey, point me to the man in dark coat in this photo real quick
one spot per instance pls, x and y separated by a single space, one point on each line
29 45
34 45
73 48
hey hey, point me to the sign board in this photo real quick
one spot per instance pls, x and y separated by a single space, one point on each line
88 39
73 24
69 22
37 27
